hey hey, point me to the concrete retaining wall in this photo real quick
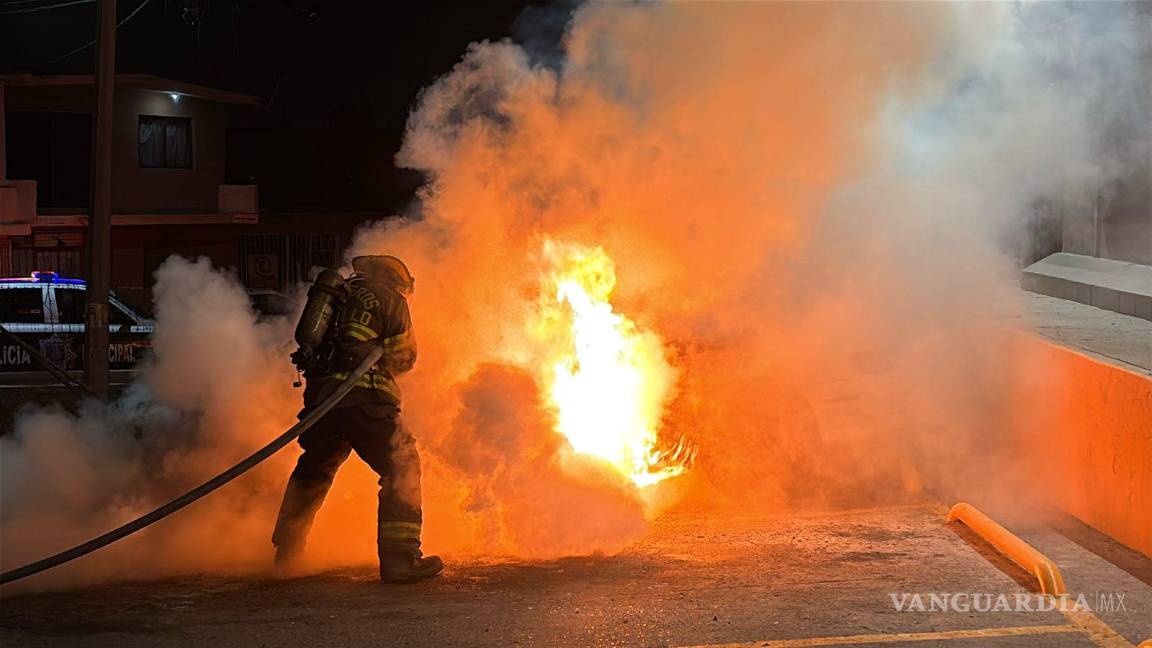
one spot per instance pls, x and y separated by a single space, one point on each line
1118 286
1090 431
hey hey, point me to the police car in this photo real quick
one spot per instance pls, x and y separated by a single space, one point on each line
47 311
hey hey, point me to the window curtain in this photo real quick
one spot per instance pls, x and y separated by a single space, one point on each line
177 140
165 142
151 138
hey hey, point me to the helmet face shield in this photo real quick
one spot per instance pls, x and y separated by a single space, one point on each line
387 269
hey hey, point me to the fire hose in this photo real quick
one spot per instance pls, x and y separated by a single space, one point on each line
207 487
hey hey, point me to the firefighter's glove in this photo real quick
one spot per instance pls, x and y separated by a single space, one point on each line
303 358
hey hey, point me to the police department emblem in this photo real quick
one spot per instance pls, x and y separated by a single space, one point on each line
58 351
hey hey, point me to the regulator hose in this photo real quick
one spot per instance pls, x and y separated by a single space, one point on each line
207 487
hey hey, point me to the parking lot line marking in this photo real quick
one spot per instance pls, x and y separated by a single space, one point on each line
940 635
1097 631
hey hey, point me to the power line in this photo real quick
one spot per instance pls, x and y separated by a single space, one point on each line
45 7
93 41
13 3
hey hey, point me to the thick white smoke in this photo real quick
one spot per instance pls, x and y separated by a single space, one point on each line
1015 124
819 207
218 388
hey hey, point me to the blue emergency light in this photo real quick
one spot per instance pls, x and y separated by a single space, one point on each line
48 276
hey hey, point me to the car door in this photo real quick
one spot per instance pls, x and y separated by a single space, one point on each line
23 313
128 334
64 314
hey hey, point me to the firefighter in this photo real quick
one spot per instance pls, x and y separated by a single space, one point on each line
367 420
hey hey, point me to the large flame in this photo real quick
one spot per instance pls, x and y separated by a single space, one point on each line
609 380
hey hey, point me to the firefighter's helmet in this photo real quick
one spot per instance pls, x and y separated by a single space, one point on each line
386 268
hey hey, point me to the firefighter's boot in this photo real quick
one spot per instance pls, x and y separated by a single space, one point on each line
288 560
405 567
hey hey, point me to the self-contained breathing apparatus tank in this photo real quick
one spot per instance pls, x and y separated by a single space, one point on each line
325 299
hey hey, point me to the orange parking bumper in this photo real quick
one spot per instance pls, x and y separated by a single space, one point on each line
1020 552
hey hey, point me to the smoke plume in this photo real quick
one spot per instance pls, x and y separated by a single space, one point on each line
218 387
817 209
821 209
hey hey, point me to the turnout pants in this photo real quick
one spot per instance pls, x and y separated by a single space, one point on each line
377 436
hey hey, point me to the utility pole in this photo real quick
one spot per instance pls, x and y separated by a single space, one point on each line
100 208
3 135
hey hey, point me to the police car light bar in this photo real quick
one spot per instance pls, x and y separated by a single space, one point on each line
49 276
44 276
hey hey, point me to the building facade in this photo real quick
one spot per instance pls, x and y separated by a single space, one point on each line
169 189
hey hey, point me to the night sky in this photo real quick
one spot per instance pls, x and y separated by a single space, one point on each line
337 77
314 61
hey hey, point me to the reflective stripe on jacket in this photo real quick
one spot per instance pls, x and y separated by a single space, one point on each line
375 313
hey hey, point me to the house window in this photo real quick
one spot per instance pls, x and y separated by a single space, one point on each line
165 142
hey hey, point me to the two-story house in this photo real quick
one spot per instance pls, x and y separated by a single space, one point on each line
169 193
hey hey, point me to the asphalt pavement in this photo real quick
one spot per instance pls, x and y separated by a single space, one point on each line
697 579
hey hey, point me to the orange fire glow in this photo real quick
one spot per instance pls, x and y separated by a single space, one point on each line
609 380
